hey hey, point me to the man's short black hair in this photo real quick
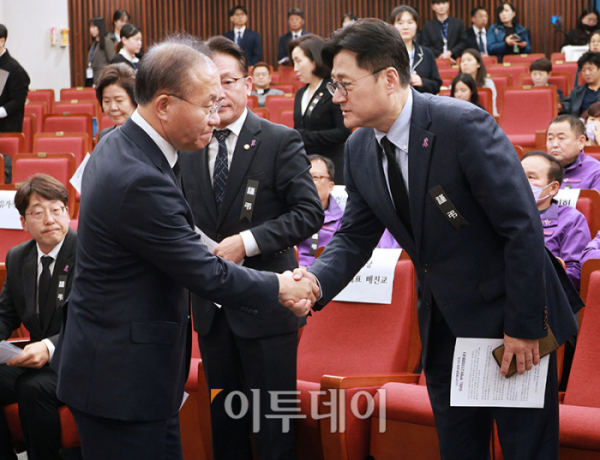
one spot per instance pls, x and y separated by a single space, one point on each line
543 65
590 57
45 186
238 7
296 11
328 163
3 31
377 45
576 124
555 171
221 45
476 9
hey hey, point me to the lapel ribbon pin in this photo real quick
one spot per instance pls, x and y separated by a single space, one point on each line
66 268
425 142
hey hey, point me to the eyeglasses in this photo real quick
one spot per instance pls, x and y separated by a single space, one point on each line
229 83
318 179
343 87
209 112
40 215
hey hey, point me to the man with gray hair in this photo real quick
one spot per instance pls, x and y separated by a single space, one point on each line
125 350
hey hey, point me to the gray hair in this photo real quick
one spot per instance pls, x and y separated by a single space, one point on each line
166 67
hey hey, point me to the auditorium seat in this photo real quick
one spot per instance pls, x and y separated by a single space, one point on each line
589 205
76 106
274 103
286 74
523 111
252 102
11 238
12 144
562 80
501 80
285 117
275 78
513 70
261 112
39 109
580 410
442 63
104 122
2 175
287 88
449 72
80 93
353 347
570 67
487 60
61 166
77 143
519 59
485 97
44 95
75 123
557 58
29 130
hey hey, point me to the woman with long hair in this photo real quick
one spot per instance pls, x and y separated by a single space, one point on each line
507 36
471 63
100 52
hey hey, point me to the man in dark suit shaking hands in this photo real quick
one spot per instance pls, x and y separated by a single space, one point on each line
442 177
241 351
247 39
125 350
39 274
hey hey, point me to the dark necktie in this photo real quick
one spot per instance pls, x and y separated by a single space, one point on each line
44 283
221 170
397 184
481 45
177 172
238 38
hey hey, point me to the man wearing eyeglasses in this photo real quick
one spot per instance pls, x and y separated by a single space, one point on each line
443 178
39 274
251 191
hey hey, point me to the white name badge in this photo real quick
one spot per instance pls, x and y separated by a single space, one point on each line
9 216
89 73
568 197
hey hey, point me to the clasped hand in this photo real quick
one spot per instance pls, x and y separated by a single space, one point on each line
298 291
526 353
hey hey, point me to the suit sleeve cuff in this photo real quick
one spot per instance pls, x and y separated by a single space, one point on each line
50 346
3 113
250 244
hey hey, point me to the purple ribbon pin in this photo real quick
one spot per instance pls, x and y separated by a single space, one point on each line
66 268
253 143
425 142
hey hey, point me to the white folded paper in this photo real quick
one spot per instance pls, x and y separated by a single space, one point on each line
8 351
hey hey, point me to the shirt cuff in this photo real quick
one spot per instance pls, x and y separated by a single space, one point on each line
250 244
50 346
3 113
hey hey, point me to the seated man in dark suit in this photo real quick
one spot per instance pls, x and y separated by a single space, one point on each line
38 280
582 96
476 36
296 23
14 93
249 40
444 34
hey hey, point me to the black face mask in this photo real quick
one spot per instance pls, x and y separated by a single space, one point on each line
589 29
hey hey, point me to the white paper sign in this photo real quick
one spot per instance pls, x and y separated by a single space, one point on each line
340 195
573 53
209 242
8 351
9 216
568 196
374 282
76 179
476 379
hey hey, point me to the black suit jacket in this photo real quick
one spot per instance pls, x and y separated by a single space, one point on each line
322 128
250 43
120 59
18 298
123 354
426 67
573 102
431 37
287 210
284 41
470 39
13 95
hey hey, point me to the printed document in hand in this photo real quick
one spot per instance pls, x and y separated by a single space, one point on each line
476 379
8 351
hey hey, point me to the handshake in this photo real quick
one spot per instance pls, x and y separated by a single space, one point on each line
298 291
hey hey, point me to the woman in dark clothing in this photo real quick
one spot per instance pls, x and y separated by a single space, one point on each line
318 120
464 88
129 46
586 24
425 77
100 53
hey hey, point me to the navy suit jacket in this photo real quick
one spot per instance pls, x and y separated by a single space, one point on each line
123 354
287 210
427 69
490 277
284 41
250 43
431 37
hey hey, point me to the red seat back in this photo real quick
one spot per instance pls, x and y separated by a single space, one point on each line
514 70
501 81
274 103
588 204
449 72
570 67
522 59
76 123
11 238
29 130
12 143
523 111
562 81
39 109
42 95
77 106
78 145
80 93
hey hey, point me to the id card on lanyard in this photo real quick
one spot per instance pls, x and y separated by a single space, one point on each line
89 72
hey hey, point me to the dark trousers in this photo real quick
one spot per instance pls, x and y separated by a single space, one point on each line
465 432
232 363
103 438
35 391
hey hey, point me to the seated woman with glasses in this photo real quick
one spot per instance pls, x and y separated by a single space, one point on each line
318 120
114 91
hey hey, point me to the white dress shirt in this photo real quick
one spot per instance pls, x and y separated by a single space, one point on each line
165 146
483 38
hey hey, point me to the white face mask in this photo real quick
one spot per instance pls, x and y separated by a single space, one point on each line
537 191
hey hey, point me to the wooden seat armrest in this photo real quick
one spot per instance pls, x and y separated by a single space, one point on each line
357 381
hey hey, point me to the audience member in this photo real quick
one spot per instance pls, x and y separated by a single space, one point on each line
245 152
14 92
472 64
39 274
318 120
507 36
476 36
322 171
594 43
586 24
349 19
592 250
592 124
129 46
296 25
540 71
566 231
582 96
444 34
114 91
120 18
248 40
565 142
424 75
261 77
464 88
100 53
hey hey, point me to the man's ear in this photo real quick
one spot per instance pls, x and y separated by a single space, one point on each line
162 104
